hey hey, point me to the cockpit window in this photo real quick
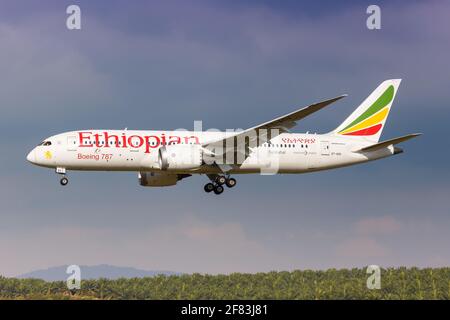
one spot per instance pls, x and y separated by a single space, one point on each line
45 143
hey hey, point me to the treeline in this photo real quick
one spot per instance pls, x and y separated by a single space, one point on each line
398 283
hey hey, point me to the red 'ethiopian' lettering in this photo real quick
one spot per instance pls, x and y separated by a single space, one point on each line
135 141
151 142
83 137
107 140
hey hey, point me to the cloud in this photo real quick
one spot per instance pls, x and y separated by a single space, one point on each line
361 248
213 53
363 241
44 79
187 246
378 225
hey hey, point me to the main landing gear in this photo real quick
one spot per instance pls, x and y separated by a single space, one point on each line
217 184
64 180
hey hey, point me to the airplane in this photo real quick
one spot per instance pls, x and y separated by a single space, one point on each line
162 158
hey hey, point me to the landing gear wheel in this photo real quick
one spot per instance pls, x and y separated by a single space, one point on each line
218 189
208 187
64 181
231 182
221 180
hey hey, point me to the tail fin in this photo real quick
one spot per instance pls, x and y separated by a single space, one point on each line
367 121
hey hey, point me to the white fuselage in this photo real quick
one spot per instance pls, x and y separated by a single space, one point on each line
130 150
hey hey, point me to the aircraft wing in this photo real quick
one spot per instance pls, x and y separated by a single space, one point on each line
288 121
281 125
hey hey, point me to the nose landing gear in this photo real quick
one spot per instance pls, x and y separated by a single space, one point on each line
64 180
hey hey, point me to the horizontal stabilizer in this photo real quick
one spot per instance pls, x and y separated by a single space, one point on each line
387 143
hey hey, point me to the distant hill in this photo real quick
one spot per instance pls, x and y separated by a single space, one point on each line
93 272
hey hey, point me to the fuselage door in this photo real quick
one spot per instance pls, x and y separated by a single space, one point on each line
325 148
71 143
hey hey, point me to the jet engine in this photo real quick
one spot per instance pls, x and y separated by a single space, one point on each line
180 157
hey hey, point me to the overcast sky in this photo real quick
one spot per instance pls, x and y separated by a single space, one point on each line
231 64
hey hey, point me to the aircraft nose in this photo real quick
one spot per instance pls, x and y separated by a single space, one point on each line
31 157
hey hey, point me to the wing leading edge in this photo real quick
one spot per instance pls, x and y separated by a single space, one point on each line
283 123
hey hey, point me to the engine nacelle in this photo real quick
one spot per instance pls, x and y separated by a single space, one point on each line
156 179
180 157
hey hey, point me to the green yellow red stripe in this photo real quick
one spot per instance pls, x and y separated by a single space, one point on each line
369 122
376 118
366 131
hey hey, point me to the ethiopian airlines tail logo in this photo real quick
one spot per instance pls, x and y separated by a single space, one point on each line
48 155
370 122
